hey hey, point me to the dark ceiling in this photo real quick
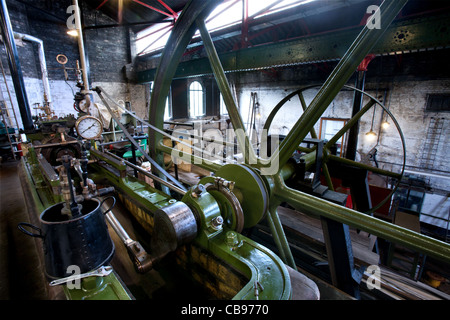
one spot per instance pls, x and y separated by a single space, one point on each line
137 12
317 17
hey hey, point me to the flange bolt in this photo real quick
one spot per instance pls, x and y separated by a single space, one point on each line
232 240
217 222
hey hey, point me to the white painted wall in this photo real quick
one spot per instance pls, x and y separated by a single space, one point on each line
62 95
438 206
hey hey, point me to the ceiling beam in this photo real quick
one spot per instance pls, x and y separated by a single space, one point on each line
170 15
406 36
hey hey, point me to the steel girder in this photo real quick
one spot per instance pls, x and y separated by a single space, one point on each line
401 37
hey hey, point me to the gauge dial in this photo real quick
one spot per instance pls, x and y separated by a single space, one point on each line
89 127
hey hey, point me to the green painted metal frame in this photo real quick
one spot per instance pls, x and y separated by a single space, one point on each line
254 261
96 288
43 194
365 41
265 270
317 207
418 34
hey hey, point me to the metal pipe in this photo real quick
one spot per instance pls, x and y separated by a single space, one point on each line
155 165
115 224
51 145
42 62
81 46
148 174
15 68
142 261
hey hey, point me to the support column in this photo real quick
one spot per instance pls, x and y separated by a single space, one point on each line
340 257
15 68
352 143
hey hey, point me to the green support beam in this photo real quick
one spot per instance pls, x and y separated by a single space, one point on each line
403 36
313 206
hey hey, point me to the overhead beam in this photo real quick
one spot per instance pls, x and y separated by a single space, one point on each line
406 36
170 15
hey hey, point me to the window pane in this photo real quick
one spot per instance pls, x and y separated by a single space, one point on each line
152 38
228 13
196 107
167 110
223 107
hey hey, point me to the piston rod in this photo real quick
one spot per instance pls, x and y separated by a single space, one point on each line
142 261
148 174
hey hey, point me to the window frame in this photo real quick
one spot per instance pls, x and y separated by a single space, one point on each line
222 106
168 106
200 97
323 132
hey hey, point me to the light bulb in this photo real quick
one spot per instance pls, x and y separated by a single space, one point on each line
385 125
371 135
72 32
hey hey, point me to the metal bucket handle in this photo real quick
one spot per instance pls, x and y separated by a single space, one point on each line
112 206
21 225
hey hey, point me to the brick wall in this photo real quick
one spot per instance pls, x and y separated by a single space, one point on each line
108 53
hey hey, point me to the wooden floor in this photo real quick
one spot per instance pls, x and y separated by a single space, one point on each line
21 271
310 229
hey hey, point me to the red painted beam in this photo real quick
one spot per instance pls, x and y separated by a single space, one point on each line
174 14
245 23
101 4
154 9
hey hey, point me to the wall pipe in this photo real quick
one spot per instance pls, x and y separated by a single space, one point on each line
42 61
15 68
81 47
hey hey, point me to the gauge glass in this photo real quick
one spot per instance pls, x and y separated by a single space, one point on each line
89 127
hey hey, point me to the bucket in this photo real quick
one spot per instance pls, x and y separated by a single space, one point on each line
83 241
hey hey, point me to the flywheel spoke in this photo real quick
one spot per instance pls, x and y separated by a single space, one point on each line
222 82
337 79
180 37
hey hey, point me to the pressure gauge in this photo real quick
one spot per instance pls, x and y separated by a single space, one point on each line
89 127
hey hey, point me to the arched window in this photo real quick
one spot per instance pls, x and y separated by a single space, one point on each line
196 105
